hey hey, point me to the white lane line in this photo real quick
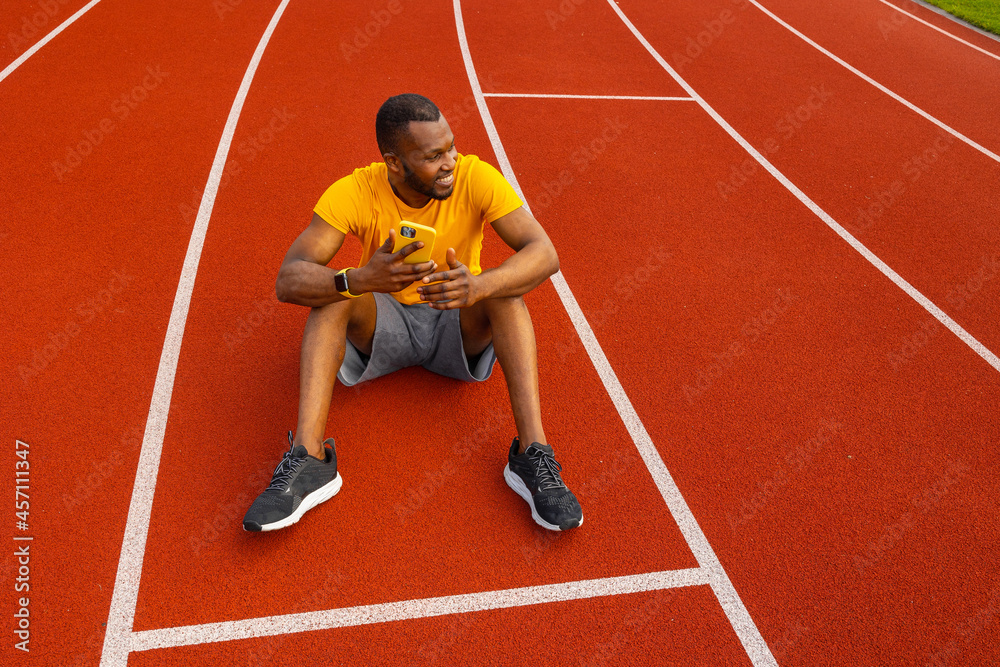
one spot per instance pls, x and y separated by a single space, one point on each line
927 304
909 105
287 624
954 19
591 97
117 638
45 40
940 30
723 588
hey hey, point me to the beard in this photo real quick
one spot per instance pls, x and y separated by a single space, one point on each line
411 179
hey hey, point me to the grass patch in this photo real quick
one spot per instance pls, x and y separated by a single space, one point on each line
982 13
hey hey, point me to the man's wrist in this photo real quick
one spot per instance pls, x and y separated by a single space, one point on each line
345 285
356 281
481 285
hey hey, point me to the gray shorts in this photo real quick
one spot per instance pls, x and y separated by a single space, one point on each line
414 335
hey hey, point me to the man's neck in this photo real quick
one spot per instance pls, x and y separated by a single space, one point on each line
412 199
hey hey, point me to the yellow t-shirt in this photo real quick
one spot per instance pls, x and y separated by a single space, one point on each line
364 204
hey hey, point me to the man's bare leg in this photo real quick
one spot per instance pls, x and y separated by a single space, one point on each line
507 323
324 342
535 478
323 347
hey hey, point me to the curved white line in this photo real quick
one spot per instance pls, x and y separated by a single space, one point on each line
590 97
729 599
45 40
909 105
118 636
927 304
940 30
952 19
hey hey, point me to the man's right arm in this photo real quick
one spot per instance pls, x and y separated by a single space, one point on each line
305 279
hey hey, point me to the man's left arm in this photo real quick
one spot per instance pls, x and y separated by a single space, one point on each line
533 261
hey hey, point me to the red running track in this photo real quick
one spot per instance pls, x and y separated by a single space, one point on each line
832 439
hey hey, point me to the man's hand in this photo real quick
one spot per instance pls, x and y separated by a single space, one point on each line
459 289
387 272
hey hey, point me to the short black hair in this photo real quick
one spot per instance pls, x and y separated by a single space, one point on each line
394 116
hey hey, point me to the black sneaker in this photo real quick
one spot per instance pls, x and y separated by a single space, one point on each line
300 483
534 476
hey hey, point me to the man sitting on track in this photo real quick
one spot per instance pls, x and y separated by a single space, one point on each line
455 320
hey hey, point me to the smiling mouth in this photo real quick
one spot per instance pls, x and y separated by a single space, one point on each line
446 180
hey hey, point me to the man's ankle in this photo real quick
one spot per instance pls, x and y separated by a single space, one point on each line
314 448
524 443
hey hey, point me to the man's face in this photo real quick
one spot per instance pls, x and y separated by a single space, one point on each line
428 160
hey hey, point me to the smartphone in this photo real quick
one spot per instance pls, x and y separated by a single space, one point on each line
407 233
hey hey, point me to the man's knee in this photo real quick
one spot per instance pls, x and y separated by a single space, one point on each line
331 326
362 314
347 313
326 321
505 306
482 317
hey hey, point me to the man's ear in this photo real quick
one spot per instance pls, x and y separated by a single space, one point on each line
393 163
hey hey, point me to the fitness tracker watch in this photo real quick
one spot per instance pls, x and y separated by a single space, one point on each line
340 283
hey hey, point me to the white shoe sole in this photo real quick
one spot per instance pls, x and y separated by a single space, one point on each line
322 494
516 483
